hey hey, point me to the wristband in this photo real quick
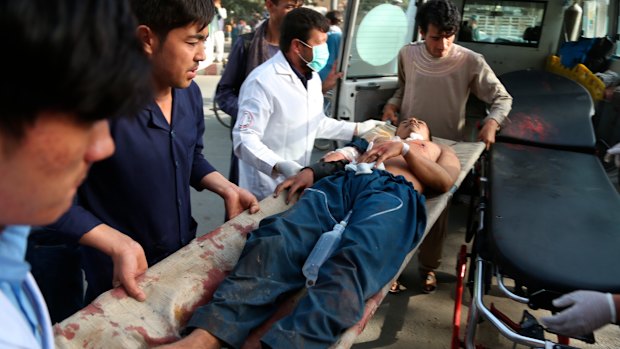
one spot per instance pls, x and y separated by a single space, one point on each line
323 169
405 149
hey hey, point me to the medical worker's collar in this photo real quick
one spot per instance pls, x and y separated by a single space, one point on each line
304 77
320 55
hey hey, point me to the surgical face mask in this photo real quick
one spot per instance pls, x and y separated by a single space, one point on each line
320 55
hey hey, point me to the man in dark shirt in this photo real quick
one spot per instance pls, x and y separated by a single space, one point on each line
134 209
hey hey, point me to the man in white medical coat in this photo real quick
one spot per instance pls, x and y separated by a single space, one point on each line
281 107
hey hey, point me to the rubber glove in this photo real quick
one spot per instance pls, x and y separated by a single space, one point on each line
613 152
288 168
363 127
586 312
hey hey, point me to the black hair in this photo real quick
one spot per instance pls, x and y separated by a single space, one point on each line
335 17
69 56
162 16
298 24
441 13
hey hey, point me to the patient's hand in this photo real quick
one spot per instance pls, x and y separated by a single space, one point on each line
295 185
382 151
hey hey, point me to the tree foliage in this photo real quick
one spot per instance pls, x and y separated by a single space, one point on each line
243 9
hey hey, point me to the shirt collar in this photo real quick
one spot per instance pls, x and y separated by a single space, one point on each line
156 115
303 77
13 242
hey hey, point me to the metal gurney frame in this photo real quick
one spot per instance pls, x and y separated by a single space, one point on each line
517 235
176 286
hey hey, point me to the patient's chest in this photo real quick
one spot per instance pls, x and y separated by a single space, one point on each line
398 165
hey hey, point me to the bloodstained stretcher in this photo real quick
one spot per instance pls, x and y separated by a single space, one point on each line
176 286
547 214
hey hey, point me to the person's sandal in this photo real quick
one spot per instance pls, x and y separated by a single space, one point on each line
430 283
396 287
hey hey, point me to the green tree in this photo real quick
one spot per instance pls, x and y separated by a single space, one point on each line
243 9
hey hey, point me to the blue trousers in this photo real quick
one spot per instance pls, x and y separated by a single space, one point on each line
388 219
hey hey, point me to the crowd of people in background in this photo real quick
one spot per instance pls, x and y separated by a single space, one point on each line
227 27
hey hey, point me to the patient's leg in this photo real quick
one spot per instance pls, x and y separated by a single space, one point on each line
387 221
269 267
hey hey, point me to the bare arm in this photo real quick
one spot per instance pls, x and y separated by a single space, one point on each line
487 87
236 199
127 256
447 169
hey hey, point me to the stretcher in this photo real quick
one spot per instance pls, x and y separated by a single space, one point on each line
179 284
544 216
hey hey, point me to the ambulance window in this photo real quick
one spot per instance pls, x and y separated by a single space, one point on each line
517 23
381 31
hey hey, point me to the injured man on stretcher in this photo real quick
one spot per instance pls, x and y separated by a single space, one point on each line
386 218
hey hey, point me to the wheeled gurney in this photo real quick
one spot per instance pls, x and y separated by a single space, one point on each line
176 286
547 215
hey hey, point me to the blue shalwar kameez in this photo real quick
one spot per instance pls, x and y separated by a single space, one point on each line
388 219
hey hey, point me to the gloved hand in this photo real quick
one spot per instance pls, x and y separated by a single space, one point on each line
363 127
288 168
588 310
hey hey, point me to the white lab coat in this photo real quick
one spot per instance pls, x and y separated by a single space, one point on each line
278 120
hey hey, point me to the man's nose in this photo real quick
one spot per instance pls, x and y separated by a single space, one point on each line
200 54
101 144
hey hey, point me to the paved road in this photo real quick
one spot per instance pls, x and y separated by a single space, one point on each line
410 319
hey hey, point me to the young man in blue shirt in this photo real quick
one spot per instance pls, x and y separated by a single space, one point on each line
134 208
59 84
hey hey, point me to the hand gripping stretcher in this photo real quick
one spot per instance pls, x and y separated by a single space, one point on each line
176 286
546 214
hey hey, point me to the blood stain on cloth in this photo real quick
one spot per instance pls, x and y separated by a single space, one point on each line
244 229
90 310
67 332
119 293
151 341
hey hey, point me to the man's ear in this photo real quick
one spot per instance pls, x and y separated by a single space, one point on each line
147 38
296 46
269 5
422 33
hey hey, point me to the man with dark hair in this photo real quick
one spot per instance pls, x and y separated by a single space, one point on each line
134 209
250 51
54 100
281 107
386 218
435 77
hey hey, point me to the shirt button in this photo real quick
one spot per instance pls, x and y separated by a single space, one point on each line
172 133
176 164
179 202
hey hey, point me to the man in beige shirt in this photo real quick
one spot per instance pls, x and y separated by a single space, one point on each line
435 78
